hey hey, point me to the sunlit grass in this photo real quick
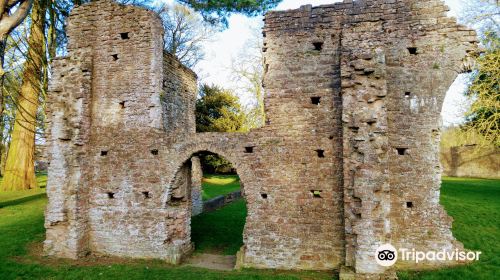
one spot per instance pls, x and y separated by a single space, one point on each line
215 185
474 205
6 197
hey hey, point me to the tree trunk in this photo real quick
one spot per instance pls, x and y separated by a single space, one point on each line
3 43
20 165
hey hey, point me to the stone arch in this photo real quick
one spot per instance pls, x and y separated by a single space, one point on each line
184 154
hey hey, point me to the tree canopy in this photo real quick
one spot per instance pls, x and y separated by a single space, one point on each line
484 115
218 11
218 110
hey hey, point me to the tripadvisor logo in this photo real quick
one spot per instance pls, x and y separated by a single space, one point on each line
387 255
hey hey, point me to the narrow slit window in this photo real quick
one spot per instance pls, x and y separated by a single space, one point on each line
315 100
318 46
124 36
321 153
249 149
154 152
412 50
401 151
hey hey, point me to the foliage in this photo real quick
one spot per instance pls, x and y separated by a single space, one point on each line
185 32
215 164
484 114
457 136
217 12
218 110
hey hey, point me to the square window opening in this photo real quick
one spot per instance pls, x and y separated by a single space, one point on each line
315 100
401 151
318 46
321 153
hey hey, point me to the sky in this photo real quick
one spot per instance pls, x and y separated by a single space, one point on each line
224 47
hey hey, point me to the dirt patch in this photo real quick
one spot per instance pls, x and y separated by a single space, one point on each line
211 261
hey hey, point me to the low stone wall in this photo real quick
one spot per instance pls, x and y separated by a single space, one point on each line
471 161
220 201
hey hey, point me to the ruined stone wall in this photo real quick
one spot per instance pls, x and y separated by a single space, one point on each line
178 98
347 159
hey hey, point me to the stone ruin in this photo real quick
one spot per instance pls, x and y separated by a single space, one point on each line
347 159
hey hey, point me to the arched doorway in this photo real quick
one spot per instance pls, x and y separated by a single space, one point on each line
217 206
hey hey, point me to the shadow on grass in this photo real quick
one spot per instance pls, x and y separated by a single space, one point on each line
21 200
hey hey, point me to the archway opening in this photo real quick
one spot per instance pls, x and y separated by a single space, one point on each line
218 206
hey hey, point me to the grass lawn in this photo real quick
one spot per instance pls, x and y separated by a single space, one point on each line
215 185
220 231
473 203
12 198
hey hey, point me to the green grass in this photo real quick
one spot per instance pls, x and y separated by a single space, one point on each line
474 205
220 231
21 224
215 185
17 197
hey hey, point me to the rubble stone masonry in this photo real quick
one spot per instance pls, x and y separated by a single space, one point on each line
348 159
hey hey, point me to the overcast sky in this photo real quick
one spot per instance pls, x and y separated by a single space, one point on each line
224 47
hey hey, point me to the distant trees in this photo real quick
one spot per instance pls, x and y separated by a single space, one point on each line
248 72
484 115
218 110
185 31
